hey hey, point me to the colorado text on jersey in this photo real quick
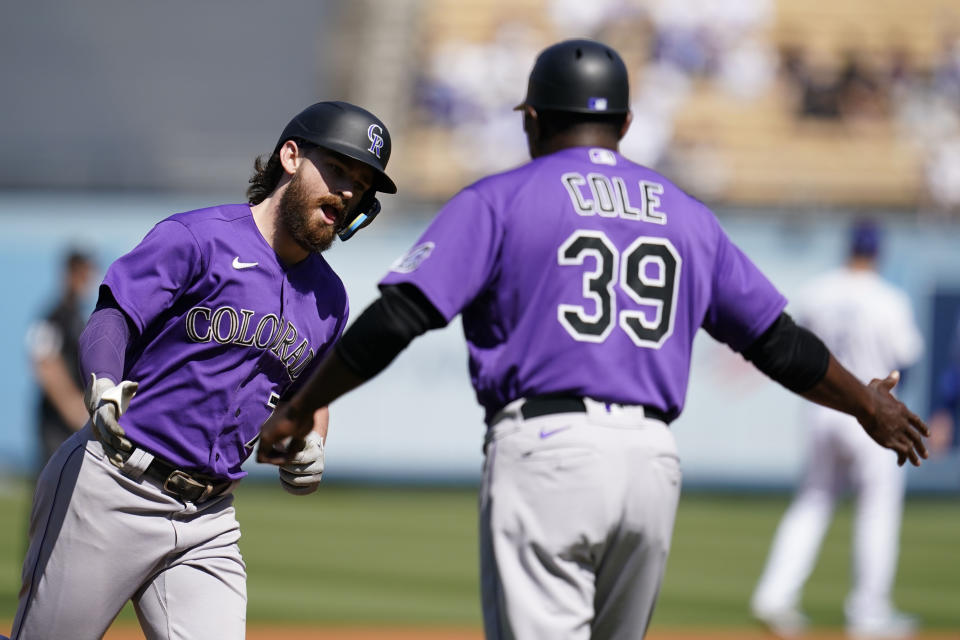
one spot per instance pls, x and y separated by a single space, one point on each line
266 336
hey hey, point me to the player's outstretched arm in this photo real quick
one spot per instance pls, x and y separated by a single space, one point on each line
885 419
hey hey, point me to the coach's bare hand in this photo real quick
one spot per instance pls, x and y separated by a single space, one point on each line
282 435
894 426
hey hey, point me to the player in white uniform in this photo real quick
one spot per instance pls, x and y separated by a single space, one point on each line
868 324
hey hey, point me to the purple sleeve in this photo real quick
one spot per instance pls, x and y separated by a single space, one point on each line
744 303
148 280
449 265
103 344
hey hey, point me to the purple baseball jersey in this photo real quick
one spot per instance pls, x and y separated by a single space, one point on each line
582 272
225 331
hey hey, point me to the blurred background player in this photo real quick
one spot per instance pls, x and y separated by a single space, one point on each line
581 359
52 344
869 326
943 418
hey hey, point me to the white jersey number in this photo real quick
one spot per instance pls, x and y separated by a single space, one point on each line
649 272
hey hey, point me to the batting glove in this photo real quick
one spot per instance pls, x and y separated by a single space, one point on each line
106 402
302 474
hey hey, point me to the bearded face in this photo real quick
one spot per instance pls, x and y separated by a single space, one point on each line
299 215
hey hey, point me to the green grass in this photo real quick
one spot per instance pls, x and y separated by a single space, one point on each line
408 556
360 554
720 545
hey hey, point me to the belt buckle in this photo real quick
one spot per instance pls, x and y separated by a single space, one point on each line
185 479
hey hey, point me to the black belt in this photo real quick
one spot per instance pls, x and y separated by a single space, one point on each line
190 487
536 406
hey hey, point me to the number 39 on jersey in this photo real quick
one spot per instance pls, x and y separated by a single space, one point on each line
648 271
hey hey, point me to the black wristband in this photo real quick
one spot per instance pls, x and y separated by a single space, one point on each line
385 328
790 355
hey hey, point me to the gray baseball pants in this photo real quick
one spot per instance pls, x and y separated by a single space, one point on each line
576 516
100 536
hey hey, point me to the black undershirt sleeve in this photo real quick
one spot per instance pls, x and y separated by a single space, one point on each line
386 327
789 354
786 352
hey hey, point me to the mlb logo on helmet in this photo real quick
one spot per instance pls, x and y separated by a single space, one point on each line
597 104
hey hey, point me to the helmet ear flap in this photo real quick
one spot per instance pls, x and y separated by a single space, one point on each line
367 210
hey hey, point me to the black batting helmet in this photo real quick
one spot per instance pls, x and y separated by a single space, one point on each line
580 76
349 130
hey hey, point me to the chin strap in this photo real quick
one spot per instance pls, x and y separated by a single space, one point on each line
367 210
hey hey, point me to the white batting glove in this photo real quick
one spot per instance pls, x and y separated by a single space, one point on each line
106 402
302 474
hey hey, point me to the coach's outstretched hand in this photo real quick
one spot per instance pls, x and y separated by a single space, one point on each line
307 410
892 425
885 419
283 435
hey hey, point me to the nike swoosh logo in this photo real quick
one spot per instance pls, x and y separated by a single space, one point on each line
242 265
544 433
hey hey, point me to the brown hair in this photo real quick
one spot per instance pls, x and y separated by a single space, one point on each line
266 175
265 178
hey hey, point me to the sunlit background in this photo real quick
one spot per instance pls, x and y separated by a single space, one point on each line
791 118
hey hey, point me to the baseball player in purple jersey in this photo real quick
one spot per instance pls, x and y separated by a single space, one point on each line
582 279
199 331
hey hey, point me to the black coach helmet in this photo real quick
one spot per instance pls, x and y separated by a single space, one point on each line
349 130
580 76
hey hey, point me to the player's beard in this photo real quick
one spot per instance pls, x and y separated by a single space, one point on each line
297 211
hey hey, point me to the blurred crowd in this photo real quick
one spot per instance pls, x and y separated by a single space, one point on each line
923 102
471 86
672 47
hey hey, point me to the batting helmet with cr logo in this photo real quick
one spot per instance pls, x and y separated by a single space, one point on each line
347 129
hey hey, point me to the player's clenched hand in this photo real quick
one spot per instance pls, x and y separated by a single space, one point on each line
106 402
303 473
894 426
283 435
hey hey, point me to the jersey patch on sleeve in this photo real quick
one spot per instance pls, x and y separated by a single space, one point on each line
413 258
